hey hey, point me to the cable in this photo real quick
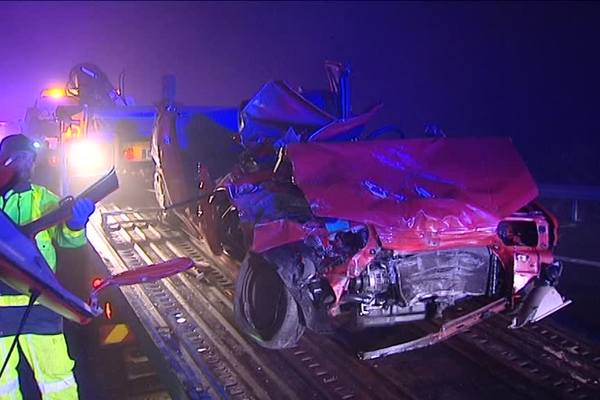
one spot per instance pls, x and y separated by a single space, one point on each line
391 128
32 299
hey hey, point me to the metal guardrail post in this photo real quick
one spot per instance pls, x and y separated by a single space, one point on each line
575 211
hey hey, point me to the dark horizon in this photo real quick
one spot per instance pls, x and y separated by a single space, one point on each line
527 70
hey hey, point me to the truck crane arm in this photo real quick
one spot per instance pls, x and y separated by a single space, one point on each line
91 85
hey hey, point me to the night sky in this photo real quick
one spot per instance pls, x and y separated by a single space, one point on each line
527 70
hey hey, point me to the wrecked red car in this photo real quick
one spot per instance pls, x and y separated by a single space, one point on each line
329 222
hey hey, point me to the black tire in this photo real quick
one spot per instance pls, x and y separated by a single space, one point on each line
230 234
264 309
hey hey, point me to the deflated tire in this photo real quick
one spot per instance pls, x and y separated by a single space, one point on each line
264 308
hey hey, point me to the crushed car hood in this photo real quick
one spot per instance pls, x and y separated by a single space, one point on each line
418 193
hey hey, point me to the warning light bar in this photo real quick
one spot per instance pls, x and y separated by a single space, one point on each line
55 93
58 93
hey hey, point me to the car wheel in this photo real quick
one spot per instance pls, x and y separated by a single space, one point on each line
160 190
231 236
264 308
168 217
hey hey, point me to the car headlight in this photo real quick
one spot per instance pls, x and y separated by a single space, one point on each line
87 157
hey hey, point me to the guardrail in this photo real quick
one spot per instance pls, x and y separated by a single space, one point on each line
590 263
569 192
573 193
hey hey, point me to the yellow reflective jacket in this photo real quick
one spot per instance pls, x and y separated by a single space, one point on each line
29 205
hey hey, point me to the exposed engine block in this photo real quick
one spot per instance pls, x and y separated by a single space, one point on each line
375 280
401 288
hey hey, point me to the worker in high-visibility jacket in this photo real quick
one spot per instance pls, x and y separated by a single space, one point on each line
42 340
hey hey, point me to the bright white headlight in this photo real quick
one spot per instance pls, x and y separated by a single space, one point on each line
88 157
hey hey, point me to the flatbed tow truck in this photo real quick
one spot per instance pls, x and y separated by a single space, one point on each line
185 326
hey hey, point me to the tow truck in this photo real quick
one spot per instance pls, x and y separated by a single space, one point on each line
85 128
186 324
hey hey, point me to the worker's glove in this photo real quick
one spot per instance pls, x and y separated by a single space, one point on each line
82 210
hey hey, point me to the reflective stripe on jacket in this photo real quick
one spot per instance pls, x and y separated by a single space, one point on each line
50 361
